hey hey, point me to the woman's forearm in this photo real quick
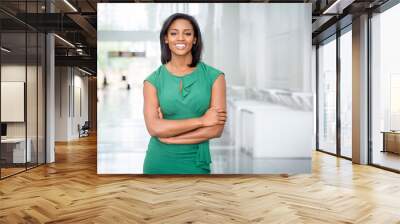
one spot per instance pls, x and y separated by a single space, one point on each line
160 127
203 133
196 136
179 141
168 128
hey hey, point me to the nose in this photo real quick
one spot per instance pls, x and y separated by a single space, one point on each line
180 36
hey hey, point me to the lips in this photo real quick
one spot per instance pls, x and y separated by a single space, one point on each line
180 46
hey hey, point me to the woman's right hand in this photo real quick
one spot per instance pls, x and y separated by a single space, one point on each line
213 116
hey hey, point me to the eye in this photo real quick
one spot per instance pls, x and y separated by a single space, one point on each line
188 34
172 34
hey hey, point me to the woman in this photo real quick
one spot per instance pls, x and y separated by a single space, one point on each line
184 103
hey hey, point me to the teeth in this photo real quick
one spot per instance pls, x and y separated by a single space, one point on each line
180 46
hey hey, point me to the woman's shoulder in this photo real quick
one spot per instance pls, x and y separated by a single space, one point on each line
158 71
154 76
211 72
208 68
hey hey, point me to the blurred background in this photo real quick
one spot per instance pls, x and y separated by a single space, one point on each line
265 52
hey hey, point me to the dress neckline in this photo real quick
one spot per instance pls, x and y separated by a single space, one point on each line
181 76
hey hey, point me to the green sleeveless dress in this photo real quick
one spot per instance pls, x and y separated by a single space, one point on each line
190 102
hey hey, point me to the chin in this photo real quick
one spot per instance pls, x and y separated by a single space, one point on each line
180 53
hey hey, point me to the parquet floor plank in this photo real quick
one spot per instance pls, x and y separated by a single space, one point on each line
70 191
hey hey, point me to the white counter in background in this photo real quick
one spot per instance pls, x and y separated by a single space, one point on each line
234 117
270 131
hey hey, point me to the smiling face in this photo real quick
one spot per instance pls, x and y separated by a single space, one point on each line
180 37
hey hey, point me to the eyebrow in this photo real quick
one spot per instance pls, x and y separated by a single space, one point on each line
183 30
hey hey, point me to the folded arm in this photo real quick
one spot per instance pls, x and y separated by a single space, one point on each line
197 136
162 128
218 100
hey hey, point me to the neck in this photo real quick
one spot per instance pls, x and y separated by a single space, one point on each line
178 61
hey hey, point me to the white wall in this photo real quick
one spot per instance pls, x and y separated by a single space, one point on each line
61 103
70 83
79 117
13 73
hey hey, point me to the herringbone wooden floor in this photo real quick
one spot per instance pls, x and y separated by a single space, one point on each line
70 191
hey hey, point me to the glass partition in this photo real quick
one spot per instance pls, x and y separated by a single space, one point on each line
32 85
13 110
22 90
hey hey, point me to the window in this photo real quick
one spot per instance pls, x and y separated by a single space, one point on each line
327 96
346 94
385 89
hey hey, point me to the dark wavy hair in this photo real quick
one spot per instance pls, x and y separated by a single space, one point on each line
196 48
